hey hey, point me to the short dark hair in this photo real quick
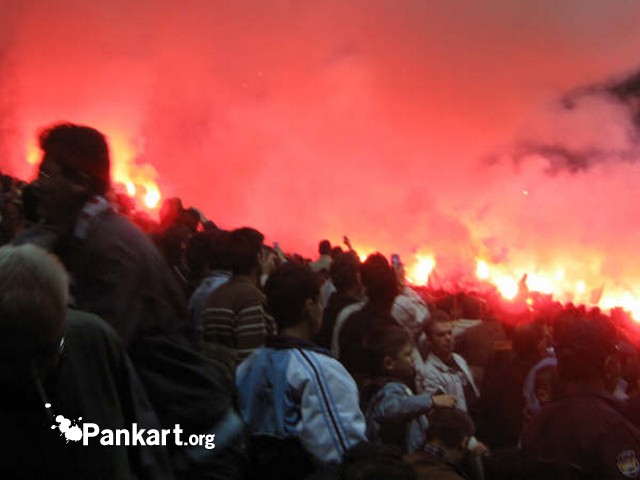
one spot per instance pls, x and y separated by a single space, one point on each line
244 246
436 316
208 249
344 270
450 426
324 247
288 288
379 279
384 341
526 338
582 342
83 150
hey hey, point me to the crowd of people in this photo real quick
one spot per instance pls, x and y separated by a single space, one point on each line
326 368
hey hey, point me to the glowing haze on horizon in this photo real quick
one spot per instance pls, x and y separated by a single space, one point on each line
394 122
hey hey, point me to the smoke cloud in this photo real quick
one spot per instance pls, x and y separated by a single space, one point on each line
497 129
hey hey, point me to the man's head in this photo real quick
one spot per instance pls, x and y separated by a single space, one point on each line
530 341
245 250
170 210
379 280
33 302
345 272
324 247
75 165
293 299
440 334
586 345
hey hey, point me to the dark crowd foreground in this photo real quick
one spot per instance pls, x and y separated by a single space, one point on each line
325 368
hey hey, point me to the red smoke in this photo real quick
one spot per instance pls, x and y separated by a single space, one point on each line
430 129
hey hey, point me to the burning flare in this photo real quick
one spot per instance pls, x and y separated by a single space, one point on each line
137 181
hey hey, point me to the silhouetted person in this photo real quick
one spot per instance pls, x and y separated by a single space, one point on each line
118 274
442 456
582 434
234 319
54 362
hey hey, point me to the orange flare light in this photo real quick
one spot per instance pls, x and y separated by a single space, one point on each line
482 270
420 270
137 180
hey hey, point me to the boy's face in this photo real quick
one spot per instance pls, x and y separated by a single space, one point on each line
402 366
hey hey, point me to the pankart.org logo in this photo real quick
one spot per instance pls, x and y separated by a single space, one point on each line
134 437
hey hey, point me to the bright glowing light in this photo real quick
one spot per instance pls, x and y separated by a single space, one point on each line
540 283
482 270
419 272
363 253
131 189
33 155
581 287
507 287
138 180
560 274
152 197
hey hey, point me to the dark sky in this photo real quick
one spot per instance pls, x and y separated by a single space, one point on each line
463 129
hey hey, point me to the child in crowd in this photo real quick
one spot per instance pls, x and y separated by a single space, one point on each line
394 415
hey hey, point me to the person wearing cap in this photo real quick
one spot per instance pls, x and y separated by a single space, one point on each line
583 434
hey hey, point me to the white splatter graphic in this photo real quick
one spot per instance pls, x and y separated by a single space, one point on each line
72 432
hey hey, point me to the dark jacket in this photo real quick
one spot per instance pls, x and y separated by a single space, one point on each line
582 435
337 302
94 383
119 274
353 355
433 467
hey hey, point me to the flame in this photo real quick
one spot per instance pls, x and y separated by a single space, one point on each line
33 155
482 270
507 286
138 180
420 270
152 197
578 285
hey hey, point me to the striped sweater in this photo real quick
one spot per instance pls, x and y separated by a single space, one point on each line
234 319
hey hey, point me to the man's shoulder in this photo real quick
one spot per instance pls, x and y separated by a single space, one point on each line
86 323
232 292
314 364
114 228
603 416
429 466
88 338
